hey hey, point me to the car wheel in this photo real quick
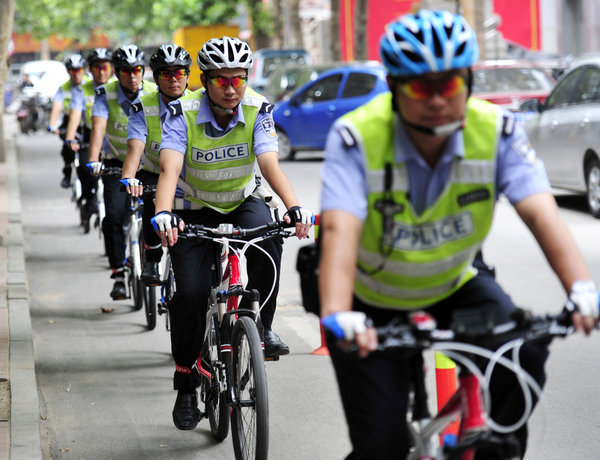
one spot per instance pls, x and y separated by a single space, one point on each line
286 153
593 187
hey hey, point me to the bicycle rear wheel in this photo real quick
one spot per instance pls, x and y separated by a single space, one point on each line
250 408
215 401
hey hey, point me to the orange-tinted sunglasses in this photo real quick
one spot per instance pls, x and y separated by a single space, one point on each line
224 82
102 67
421 89
130 70
168 74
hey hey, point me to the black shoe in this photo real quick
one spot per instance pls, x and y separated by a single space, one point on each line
118 291
65 182
274 346
186 414
150 275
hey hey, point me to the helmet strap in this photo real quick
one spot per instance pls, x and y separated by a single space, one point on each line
222 109
436 131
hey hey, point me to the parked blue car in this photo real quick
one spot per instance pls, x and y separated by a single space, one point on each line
303 120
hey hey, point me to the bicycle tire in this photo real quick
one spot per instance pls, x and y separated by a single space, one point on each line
250 407
136 283
215 401
149 292
150 306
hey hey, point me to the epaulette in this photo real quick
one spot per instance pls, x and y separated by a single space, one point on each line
508 125
266 107
347 136
175 108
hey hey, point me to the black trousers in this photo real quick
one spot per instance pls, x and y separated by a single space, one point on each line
117 216
150 236
374 391
192 261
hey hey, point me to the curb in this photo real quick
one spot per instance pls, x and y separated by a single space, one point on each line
25 436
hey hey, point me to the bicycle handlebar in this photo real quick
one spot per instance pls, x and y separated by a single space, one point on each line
422 333
269 230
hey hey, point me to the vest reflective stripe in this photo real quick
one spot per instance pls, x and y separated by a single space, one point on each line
219 172
222 174
151 107
374 259
116 126
432 253
89 91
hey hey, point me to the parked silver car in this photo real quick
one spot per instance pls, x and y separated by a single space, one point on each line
565 131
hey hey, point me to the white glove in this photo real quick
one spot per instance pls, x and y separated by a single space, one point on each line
585 298
131 182
300 215
165 220
346 324
95 167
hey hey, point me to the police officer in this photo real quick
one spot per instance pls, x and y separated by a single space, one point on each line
212 140
110 113
75 64
100 66
409 185
170 66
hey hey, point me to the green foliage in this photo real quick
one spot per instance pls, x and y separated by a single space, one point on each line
139 21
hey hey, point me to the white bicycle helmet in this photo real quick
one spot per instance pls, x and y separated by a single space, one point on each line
225 53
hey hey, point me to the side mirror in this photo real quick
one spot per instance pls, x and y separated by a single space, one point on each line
530 105
294 101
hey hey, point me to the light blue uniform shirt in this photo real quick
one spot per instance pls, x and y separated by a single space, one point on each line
78 101
137 128
519 173
175 129
60 97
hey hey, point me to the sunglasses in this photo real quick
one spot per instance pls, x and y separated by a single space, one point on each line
423 89
131 70
168 74
75 71
101 67
224 82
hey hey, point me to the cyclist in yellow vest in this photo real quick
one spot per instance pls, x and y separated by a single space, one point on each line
101 69
170 66
409 185
212 141
110 118
75 64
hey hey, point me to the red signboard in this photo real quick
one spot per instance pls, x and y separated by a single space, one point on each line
520 25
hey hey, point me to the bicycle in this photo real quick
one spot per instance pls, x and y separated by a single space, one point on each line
232 363
471 336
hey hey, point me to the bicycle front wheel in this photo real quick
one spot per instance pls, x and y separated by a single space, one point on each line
136 258
215 401
250 409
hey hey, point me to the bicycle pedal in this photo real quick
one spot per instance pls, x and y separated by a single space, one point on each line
271 358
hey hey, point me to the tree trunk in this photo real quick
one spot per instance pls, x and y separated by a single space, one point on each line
7 12
261 37
360 29
296 40
278 39
334 23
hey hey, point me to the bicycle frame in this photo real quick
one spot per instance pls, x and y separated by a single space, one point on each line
467 405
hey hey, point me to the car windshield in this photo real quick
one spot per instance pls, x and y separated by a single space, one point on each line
272 63
510 79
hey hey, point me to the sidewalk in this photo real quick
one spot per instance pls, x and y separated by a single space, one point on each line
20 437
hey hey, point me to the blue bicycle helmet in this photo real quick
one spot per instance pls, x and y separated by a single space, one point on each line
430 41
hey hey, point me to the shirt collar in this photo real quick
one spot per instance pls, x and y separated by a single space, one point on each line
205 115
